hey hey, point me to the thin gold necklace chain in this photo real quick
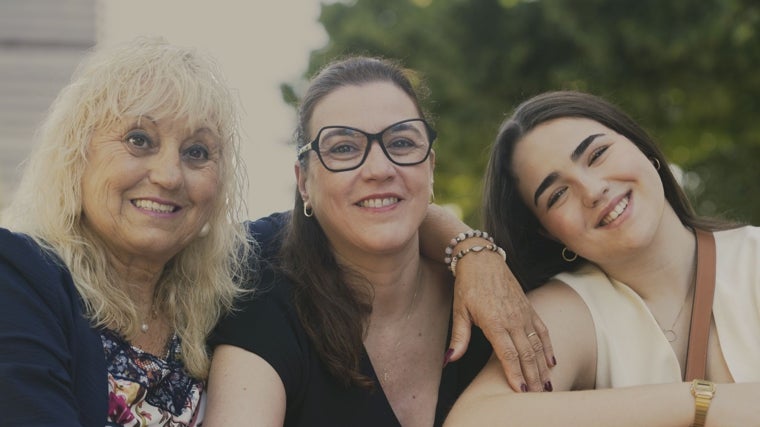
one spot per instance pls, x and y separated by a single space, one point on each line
386 372
669 333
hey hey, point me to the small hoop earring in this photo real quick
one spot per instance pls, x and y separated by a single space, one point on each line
204 230
308 212
655 162
569 258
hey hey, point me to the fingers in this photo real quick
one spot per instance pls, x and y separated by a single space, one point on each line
460 335
541 362
508 356
522 358
543 336
529 361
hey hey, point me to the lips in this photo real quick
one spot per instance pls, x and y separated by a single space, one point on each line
616 211
152 206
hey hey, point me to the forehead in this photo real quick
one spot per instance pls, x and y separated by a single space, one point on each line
186 125
556 138
370 107
564 131
547 148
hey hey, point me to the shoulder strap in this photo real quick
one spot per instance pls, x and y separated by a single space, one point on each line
701 312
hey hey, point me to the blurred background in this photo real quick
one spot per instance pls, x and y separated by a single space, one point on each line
687 70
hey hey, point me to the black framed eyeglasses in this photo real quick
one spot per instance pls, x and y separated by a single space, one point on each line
343 148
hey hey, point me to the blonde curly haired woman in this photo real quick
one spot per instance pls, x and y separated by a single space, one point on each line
123 244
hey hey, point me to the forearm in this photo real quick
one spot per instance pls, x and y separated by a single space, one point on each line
436 231
650 405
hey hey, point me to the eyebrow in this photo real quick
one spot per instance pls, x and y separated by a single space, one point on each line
336 130
574 156
138 120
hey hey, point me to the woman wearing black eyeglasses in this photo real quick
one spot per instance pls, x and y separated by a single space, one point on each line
349 324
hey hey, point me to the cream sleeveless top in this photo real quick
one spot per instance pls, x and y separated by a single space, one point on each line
631 348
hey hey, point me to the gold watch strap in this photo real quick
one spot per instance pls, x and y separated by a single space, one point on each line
703 392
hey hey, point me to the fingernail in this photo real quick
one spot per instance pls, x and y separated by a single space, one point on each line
554 361
524 387
548 386
447 356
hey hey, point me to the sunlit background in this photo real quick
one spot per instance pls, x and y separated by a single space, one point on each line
259 44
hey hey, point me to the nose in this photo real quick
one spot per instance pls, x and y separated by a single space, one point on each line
377 165
594 190
165 168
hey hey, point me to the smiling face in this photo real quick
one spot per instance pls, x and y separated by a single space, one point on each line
378 207
590 187
149 187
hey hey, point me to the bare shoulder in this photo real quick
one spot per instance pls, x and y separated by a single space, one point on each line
556 293
572 332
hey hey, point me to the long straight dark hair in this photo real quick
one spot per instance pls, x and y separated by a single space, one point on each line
533 257
333 303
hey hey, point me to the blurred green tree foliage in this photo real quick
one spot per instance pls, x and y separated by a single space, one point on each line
688 71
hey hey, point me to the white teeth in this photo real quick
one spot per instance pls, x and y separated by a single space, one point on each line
153 206
378 203
619 208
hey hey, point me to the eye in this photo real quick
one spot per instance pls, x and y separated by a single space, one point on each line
343 148
554 197
196 152
401 143
597 153
138 139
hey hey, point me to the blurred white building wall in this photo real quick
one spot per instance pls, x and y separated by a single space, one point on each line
41 42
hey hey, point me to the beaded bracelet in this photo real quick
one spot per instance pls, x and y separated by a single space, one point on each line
461 237
451 261
491 247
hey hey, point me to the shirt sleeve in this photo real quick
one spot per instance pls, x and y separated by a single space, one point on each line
267 232
266 324
36 385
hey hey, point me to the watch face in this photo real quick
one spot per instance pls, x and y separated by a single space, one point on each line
703 388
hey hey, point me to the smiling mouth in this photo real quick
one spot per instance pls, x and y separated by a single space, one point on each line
378 203
619 209
154 206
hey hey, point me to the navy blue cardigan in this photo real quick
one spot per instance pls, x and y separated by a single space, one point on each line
52 365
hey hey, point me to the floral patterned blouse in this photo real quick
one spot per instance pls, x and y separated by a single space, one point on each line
144 390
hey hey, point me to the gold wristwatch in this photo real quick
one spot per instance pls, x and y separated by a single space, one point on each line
703 392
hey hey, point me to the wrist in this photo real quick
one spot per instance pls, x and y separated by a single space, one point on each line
703 392
472 241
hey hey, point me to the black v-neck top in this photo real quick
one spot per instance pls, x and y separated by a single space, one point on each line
267 324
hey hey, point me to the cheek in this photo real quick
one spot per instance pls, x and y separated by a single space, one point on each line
204 185
563 223
325 188
94 188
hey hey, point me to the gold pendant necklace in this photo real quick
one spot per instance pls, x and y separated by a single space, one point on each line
669 333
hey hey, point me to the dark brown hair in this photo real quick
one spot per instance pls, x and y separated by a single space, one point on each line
333 302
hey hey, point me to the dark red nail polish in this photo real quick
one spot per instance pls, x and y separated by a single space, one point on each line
554 361
524 387
548 386
447 356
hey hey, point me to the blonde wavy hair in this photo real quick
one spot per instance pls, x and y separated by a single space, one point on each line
147 76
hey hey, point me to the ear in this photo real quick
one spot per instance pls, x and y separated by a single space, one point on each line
301 180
